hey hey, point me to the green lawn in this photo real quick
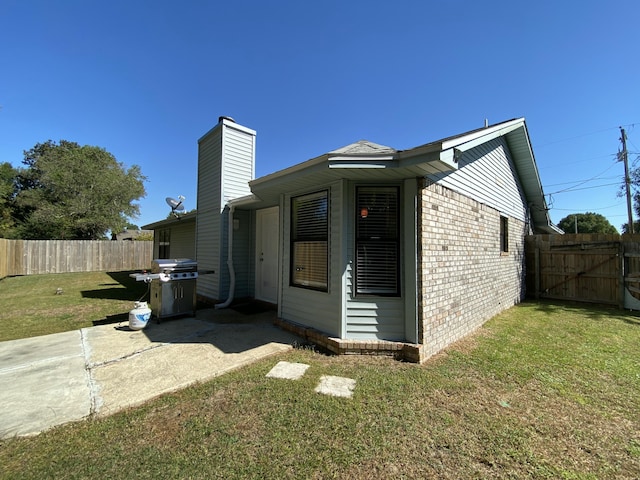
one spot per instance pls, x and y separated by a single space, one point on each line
542 391
41 304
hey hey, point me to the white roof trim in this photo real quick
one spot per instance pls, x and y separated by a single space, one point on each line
467 142
231 124
363 158
449 156
357 161
246 200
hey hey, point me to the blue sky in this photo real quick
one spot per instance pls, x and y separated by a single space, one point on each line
145 80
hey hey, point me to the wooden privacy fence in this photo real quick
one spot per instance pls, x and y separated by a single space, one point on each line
595 268
30 257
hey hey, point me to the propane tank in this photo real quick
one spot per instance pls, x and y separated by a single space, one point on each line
139 316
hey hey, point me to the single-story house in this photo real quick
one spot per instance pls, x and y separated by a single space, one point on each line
174 237
368 248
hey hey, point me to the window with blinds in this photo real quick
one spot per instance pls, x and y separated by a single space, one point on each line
377 241
309 240
164 242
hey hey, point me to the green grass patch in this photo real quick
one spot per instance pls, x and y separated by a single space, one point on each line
542 391
42 304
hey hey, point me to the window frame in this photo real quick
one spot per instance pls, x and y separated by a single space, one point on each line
504 235
360 240
310 239
164 243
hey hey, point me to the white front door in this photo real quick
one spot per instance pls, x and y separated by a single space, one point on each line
267 242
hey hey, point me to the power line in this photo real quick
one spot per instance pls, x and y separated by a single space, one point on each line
568 190
620 156
576 186
582 161
591 209
579 181
582 182
630 125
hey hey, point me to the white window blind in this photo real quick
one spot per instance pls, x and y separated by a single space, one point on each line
377 241
309 238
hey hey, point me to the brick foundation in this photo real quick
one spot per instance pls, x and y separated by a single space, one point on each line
409 352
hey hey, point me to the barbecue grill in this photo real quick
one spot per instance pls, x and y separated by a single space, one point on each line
172 286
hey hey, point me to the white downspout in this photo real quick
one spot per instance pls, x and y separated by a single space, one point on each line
232 270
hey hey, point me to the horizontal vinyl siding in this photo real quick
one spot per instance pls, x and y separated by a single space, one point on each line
244 253
242 256
379 319
486 174
225 167
319 310
209 169
183 241
238 163
209 214
208 255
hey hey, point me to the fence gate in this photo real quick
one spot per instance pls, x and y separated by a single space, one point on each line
594 268
631 266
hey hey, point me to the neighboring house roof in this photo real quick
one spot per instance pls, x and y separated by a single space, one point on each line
366 160
185 217
130 234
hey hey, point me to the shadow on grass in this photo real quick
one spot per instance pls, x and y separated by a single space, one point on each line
123 288
590 310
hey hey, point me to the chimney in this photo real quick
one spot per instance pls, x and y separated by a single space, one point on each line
226 165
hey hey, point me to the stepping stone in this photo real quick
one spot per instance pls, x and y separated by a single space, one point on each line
288 370
336 386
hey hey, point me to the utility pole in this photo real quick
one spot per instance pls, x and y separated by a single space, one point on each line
627 178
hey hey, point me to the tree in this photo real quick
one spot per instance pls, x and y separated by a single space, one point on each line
7 194
68 191
636 227
146 237
634 178
587 223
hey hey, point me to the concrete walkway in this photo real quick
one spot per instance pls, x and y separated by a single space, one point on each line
55 379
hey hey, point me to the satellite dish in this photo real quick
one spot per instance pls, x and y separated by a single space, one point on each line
176 205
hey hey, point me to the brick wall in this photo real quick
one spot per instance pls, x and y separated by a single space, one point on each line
464 277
